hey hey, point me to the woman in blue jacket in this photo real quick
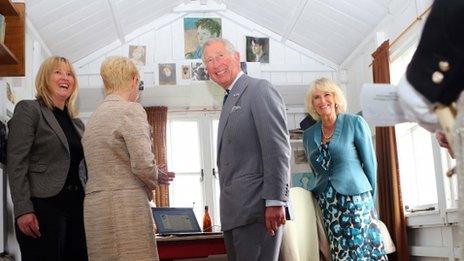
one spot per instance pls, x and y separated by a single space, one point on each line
339 149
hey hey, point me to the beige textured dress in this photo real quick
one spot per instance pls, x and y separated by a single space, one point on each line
121 168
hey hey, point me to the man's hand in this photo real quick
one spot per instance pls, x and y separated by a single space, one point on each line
29 225
443 142
275 217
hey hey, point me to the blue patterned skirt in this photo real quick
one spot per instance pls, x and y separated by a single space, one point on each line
349 222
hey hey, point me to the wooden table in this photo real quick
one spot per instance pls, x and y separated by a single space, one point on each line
195 246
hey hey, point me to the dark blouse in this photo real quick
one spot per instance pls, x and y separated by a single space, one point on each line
74 143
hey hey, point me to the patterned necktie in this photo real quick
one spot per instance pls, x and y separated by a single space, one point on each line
225 97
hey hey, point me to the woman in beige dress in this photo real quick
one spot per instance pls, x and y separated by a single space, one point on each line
121 169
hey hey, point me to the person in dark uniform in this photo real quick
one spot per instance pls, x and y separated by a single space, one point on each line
435 74
432 90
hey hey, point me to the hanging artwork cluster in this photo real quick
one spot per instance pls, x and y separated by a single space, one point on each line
196 32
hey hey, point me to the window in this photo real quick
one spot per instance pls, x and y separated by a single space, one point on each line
191 149
422 163
184 159
416 162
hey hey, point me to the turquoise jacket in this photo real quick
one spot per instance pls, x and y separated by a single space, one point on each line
353 166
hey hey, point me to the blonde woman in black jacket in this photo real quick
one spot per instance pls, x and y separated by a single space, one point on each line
44 156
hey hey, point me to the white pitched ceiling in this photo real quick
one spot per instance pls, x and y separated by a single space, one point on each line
329 28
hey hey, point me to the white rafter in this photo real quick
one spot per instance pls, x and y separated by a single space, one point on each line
116 21
294 19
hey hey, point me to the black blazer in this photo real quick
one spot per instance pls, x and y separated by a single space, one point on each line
38 156
436 70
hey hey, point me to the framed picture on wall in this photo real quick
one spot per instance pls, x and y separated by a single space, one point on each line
196 32
257 49
137 53
199 72
185 72
167 73
300 156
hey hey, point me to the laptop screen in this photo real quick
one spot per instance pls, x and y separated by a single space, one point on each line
175 220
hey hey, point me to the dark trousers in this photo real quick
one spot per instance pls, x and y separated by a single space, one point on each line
61 225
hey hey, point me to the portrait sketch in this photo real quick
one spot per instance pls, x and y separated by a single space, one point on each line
196 32
137 53
199 72
257 49
167 73
185 71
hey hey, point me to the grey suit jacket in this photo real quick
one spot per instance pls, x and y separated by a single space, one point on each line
38 156
253 152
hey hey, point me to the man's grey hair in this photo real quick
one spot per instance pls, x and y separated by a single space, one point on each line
229 46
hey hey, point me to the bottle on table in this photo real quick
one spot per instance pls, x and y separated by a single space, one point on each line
207 224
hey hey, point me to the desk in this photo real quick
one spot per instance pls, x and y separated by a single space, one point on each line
180 247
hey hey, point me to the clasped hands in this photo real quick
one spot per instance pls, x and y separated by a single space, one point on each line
165 176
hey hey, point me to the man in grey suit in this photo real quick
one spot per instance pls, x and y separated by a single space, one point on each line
253 157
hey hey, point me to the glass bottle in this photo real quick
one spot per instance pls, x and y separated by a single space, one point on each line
207 224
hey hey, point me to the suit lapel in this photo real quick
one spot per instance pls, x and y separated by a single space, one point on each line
338 127
234 95
51 120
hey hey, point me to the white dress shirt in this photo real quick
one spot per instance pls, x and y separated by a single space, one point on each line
416 107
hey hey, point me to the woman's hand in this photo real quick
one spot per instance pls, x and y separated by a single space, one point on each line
165 176
29 225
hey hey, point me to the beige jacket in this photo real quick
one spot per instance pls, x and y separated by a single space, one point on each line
121 168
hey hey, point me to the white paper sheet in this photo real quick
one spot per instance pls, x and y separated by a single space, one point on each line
380 105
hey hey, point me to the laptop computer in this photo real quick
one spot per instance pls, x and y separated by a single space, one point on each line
177 221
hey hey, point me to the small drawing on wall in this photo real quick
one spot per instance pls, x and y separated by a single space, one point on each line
167 73
185 71
196 32
199 72
300 156
257 49
137 53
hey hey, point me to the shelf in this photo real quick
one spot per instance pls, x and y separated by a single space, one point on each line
12 52
7 56
7 8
